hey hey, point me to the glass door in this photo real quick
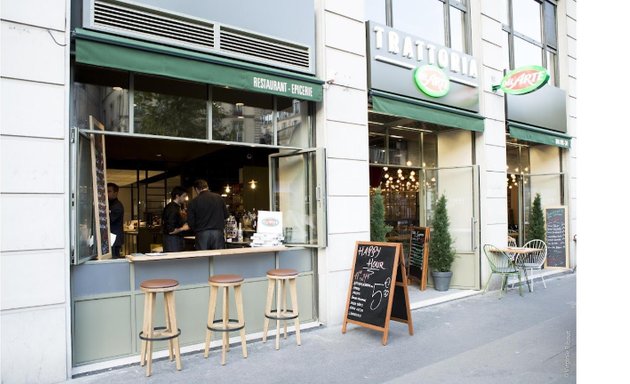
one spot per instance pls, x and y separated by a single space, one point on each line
298 190
460 185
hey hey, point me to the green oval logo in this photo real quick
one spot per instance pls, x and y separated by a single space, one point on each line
524 80
431 80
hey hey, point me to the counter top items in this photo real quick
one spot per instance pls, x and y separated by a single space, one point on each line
138 257
266 239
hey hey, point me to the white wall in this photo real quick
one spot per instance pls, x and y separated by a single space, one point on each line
342 129
34 256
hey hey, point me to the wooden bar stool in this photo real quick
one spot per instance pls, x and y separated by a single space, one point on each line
169 332
280 277
225 324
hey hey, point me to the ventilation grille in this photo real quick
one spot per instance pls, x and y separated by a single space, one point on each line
150 23
236 41
161 26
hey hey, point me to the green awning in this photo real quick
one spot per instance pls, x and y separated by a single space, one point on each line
422 111
539 135
111 51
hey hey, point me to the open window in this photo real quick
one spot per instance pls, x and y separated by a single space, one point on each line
298 189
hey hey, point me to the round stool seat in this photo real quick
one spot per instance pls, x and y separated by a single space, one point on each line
226 279
159 284
282 273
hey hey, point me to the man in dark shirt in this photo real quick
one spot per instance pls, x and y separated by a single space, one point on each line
173 222
116 216
206 217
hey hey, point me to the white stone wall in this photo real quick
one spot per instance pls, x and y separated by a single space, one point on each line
342 130
34 256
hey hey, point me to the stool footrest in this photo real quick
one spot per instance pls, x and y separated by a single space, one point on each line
227 327
281 316
161 335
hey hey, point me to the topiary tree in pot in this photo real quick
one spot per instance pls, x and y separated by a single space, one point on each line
536 228
441 251
378 228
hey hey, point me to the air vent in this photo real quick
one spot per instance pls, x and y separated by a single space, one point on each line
236 41
149 23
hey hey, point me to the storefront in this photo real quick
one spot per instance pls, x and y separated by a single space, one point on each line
423 123
172 100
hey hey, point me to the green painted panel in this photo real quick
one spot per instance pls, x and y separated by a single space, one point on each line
102 329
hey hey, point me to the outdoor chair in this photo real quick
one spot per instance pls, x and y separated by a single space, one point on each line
534 261
501 264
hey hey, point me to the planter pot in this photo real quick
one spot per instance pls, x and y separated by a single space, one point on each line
441 280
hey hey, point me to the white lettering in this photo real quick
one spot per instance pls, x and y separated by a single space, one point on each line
472 69
419 50
407 48
378 37
455 62
392 42
271 85
442 58
301 90
431 53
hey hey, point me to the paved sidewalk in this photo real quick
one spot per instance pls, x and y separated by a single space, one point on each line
477 339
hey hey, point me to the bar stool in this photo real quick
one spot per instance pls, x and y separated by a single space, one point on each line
225 324
169 332
280 277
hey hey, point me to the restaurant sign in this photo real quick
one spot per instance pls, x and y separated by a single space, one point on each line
431 80
524 80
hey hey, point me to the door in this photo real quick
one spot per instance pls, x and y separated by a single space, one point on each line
460 185
297 181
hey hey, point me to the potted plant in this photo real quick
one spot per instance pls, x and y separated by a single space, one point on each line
536 228
378 228
441 251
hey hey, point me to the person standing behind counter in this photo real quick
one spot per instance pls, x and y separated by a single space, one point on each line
116 214
173 222
206 217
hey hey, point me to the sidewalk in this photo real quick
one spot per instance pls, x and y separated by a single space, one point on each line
327 355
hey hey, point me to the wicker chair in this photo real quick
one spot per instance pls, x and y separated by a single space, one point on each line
501 264
534 261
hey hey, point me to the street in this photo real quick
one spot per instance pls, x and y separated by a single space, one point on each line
480 339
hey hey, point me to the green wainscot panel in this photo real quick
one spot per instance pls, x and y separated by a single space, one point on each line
102 329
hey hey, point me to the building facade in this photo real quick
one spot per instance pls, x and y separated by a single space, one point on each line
315 112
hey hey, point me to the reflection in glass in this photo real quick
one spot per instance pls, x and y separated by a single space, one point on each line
526 53
169 107
293 123
377 144
458 36
404 147
422 18
527 16
242 117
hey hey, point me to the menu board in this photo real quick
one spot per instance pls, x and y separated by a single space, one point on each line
99 186
419 255
556 236
378 283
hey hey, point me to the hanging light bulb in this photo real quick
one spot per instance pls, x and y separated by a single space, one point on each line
252 184
227 189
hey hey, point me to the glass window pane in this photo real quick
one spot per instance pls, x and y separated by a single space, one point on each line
527 16
458 35
243 117
377 144
103 94
169 107
422 18
404 147
551 67
429 150
375 10
526 53
551 37
294 123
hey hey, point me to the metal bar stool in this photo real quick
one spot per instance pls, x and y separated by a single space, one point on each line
280 277
169 332
225 324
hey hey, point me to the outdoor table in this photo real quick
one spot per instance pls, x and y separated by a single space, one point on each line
513 253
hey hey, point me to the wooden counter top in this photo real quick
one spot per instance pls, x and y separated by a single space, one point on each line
137 257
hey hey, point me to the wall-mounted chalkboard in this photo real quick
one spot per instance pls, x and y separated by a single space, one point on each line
378 283
419 255
556 236
99 184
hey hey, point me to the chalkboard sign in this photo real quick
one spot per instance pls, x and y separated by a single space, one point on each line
378 282
556 236
419 255
99 184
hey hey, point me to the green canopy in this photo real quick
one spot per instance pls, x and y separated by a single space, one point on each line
111 51
539 135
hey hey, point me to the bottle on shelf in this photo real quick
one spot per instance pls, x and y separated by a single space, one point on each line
240 233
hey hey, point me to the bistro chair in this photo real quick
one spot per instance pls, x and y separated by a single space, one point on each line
503 265
534 260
